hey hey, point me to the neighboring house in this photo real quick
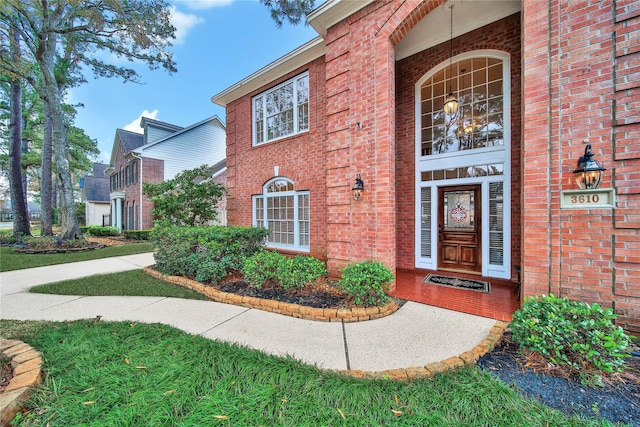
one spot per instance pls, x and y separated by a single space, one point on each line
95 195
158 154
486 190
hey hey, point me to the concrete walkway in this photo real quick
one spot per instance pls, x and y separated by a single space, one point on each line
414 336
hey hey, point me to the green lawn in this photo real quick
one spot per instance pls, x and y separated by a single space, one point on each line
10 260
128 283
128 374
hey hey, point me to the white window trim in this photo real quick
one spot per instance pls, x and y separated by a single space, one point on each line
468 157
296 221
296 131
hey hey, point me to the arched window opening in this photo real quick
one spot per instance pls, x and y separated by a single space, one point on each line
285 213
479 122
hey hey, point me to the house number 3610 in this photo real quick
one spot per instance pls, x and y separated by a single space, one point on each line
588 199
585 198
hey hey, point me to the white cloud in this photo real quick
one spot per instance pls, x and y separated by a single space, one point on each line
104 157
204 4
134 126
184 23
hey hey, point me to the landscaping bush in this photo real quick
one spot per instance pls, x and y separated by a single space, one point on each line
262 267
97 230
288 273
295 273
8 238
49 243
137 234
570 333
367 282
206 253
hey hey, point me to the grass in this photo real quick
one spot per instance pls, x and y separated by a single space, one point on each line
129 374
128 283
10 260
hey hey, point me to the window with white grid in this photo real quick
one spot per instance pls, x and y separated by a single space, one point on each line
281 111
285 213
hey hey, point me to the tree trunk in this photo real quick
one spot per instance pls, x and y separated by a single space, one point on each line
24 149
53 100
68 218
18 207
46 188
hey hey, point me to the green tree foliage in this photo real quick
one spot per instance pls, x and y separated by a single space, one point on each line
59 38
83 149
288 10
189 199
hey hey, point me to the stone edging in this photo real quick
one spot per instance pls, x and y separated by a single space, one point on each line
430 369
27 369
355 314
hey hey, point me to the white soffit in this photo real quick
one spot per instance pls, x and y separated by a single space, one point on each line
468 15
278 68
333 11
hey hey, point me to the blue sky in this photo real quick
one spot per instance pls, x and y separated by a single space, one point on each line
219 43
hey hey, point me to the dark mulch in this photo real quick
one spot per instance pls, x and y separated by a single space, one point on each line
617 401
321 294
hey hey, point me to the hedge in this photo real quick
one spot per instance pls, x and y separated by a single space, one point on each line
205 253
137 234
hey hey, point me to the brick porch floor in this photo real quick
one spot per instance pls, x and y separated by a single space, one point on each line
500 304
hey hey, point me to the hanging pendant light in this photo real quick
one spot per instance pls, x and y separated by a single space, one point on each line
451 102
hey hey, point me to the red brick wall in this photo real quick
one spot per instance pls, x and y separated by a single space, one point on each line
503 35
130 190
580 84
153 173
222 179
301 158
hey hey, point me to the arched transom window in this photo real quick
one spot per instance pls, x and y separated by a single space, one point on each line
285 213
478 85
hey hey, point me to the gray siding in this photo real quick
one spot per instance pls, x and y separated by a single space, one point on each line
154 134
203 144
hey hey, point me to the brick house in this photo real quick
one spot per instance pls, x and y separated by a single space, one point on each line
487 190
159 153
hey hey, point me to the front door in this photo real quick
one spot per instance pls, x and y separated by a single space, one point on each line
459 230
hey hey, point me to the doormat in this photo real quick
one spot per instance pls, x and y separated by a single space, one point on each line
456 282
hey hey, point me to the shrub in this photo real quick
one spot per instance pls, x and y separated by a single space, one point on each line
299 271
97 230
49 243
137 234
367 282
288 273
570 333
262 267
206 253
8 238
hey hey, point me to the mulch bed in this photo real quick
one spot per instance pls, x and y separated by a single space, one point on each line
111 241
618 400
320 294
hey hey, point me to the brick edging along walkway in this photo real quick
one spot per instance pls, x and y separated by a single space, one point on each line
356 314
469 357
27 368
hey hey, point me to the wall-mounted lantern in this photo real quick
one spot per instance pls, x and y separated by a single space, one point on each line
589 171
358 188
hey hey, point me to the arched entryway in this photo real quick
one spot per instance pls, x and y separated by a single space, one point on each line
459 177
463 166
